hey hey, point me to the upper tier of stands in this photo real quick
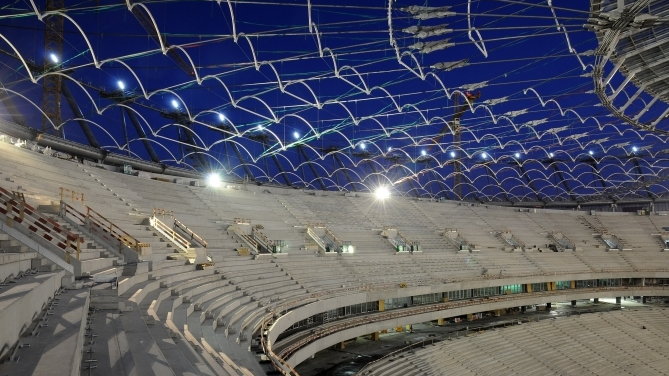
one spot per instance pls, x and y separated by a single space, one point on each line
285 213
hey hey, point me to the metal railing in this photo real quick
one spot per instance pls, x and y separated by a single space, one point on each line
562 240
328 242
181 242
181 226
278 362
19 212
261 239
98 224
316 238
73 195
193 236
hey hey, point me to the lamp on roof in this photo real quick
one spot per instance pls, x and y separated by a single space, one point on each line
214 180
382 193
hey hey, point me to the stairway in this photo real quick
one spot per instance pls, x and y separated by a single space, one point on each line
96 260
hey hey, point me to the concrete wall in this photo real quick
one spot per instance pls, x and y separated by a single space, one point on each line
12 264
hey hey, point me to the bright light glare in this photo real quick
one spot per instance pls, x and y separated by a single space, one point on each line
221 117
363 146
484 155
423 152
175 103
390 148
551 155
591 152
517 155
296 135
120 84
54 58
382 193
453 154
214 180
635 149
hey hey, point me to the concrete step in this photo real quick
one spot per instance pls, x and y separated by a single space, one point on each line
96 265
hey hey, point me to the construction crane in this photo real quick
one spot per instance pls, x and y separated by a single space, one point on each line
456 129
52 84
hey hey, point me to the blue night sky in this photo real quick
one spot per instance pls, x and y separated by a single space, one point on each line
341 95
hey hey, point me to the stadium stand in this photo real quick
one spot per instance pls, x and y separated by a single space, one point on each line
154 311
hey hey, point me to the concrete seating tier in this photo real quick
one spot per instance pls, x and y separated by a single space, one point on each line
21 300
502 263
522 224
552 262
317 274
603 261
569 224
55 344
611 343
645 259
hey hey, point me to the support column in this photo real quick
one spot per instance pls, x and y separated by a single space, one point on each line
340 346
441 322
573 303
618 300
644 299
382 305
548 306
523 309
375 336
595 300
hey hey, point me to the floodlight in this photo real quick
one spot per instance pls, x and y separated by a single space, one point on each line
591 152
221 117
551 155
423 152
175 103
390 148
452 154
484 155
296 135
382 193
214 180
634 149
363 146
120 84
517 155
54 58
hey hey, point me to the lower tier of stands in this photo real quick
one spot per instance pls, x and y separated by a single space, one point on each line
626 342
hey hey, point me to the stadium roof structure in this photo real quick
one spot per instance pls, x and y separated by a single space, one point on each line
497 100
